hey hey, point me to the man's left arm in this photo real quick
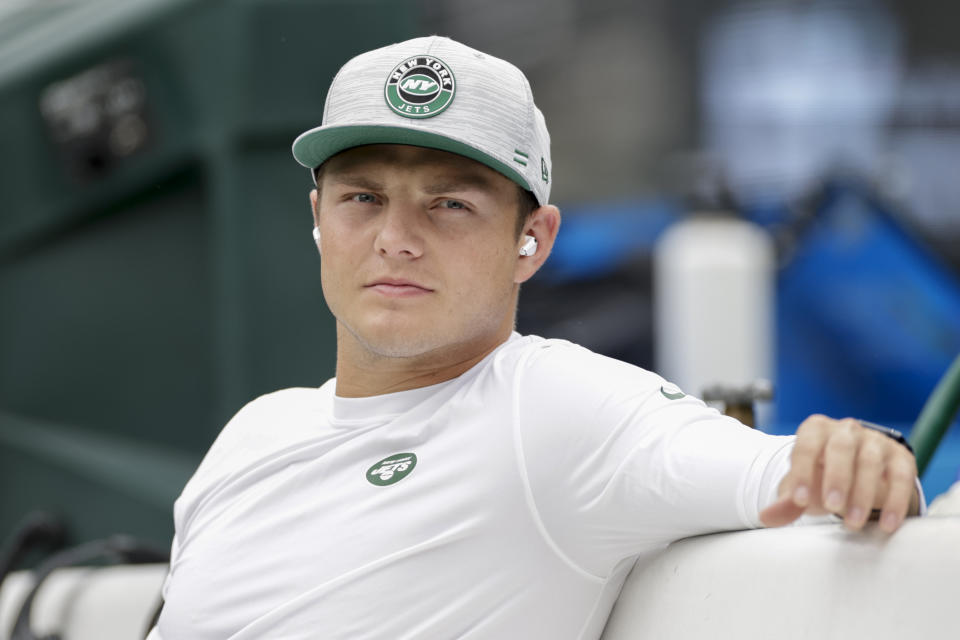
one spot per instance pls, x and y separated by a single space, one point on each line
842 467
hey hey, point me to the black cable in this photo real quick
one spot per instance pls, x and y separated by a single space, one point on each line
37 529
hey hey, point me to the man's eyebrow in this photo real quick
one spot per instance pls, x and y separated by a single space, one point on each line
445 184
460 182
354 180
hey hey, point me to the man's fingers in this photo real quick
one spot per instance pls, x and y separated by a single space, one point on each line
783 511
811 437
868 477
839 461
841 467
901 471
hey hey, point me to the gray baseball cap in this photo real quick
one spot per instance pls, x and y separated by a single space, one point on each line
437 93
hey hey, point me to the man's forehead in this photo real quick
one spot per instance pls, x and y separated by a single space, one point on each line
439 162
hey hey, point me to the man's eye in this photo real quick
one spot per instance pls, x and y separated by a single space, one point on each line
453 204
364 197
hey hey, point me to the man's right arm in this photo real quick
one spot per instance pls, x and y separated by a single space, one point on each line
619 462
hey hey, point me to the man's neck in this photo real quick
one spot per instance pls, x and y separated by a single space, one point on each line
361 373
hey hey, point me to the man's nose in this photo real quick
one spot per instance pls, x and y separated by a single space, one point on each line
400 234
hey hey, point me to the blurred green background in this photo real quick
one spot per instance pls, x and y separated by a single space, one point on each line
156 264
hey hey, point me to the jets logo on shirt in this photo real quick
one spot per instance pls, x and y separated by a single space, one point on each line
392 469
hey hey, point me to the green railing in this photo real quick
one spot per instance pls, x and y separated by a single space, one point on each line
98 483
936 417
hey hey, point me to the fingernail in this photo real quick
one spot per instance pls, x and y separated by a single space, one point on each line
834 501
801 496
889 522
856 516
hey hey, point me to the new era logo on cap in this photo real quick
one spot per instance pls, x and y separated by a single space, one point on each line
437 93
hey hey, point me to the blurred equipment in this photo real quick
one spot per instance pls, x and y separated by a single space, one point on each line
114 550
869 318
925 146
713 303
740 402
792 90
39 530
97 118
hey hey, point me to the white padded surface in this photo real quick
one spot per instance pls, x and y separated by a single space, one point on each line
111 603
817 581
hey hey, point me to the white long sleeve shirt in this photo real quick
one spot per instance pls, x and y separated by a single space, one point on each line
509 502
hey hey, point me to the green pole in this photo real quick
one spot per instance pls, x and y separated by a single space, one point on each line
937 414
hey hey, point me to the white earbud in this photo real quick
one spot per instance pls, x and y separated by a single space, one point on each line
529 246
316 236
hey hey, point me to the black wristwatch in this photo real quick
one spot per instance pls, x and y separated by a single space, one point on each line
887 431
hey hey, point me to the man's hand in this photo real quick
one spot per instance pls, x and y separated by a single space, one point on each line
841 467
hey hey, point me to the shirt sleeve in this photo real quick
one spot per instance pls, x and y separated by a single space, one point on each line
618 463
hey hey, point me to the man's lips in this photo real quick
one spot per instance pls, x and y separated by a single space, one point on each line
397 287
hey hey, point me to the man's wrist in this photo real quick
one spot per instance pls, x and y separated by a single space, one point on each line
893 434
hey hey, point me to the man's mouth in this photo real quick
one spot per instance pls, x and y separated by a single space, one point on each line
398 287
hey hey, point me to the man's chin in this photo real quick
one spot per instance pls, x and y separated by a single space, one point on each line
395 350
395 342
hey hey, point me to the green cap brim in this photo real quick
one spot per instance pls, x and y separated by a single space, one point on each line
316 146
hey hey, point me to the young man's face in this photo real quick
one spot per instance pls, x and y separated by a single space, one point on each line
420 251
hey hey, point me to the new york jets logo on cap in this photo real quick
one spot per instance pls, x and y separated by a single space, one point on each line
420 87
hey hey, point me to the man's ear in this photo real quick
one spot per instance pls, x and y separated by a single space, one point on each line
543 224
314 207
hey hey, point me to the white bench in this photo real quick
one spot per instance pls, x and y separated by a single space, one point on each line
817 581
798 582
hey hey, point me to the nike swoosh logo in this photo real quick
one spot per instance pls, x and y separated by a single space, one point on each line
672 395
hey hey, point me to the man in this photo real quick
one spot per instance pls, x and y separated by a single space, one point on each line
457 480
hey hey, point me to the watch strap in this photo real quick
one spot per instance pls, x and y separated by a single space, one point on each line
887 431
